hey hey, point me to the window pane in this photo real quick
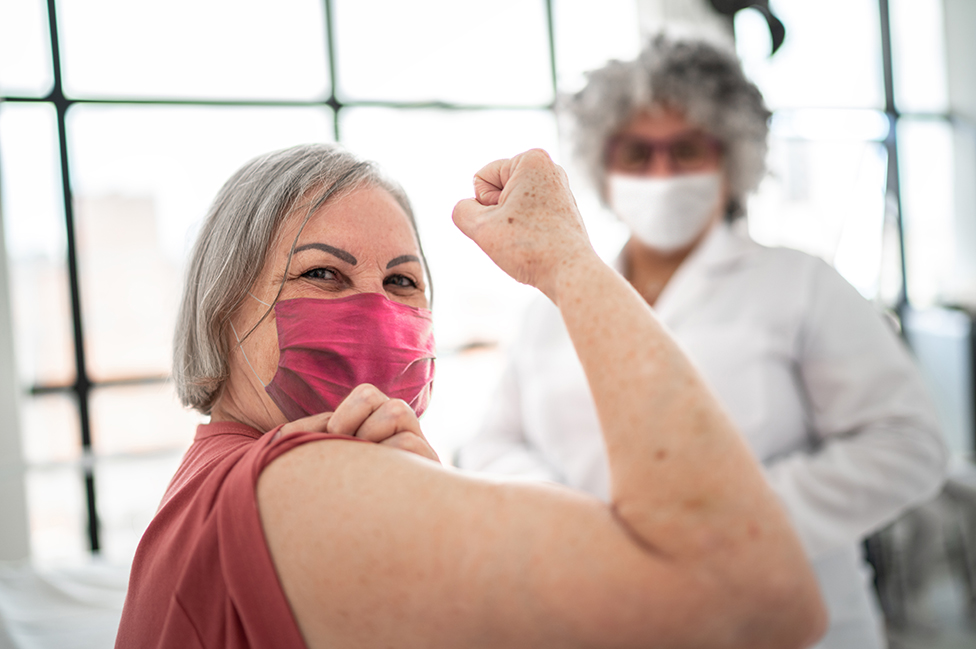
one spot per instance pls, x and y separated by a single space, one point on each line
443 50
588 34
194 48
50 431
825 196
918 53
25 48
140 418
926 172
831 56
129 492
143 179
56 506
33 220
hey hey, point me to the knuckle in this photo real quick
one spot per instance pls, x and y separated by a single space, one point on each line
363 389
370 394
400 408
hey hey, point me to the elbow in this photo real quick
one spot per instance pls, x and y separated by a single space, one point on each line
809 613
788 612
784 605
817 623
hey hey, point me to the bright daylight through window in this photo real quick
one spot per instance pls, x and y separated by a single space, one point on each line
158 111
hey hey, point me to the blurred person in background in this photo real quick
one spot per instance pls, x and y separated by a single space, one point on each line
822 390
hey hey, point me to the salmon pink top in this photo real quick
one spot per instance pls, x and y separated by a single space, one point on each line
202 576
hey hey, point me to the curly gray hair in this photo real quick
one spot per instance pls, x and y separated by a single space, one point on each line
244 220
694 77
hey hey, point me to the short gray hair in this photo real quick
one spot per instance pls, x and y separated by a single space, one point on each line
700 80
232 247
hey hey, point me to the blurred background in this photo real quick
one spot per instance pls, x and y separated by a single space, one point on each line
120 120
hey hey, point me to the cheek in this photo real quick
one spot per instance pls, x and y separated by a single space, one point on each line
258 354
264 343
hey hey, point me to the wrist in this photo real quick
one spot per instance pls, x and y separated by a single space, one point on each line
573 275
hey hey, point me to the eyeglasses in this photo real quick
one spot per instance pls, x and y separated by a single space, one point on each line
684 153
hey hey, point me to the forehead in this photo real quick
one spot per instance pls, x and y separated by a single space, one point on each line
364 217
659 122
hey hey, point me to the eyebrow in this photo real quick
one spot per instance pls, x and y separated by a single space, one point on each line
402 259
335 252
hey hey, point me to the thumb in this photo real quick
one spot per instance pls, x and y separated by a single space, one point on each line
467 214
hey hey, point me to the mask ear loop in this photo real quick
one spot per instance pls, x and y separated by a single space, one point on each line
241 347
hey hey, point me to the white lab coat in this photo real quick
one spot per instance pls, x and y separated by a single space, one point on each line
820 387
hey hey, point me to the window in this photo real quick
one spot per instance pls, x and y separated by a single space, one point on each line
140 111
861 148
144 109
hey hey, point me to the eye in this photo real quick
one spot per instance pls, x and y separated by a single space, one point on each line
629 154
689 152
399 281
321 273
635 153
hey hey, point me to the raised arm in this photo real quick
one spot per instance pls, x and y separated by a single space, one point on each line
376 547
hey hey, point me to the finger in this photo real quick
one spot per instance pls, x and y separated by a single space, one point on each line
312 423
412 444
355 409
393 417
490 181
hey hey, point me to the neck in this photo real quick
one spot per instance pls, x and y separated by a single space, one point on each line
260 416
649 270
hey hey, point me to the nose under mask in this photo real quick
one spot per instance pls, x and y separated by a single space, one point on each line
328 347
666 213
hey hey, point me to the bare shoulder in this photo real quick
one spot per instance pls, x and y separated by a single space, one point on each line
321 468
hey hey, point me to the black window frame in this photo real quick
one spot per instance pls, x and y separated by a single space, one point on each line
83 385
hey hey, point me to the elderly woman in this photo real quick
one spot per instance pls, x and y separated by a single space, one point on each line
821 389
310 512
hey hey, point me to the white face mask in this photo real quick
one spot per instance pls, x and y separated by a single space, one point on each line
666 213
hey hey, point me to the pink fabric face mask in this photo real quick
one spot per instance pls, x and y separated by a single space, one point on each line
328 347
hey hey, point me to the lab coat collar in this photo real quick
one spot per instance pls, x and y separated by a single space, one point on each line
721 248
721 251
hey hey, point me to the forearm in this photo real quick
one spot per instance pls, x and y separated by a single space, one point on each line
684 489
681 477
682 481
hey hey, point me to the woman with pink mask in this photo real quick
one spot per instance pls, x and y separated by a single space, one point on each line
821 389
311 512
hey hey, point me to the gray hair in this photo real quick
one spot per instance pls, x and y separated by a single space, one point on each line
700 80
231 250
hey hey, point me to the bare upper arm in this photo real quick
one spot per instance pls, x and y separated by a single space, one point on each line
376 547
